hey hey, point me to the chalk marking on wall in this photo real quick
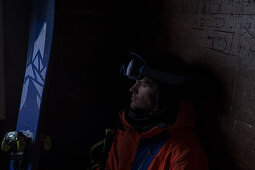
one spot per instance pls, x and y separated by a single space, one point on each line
234 91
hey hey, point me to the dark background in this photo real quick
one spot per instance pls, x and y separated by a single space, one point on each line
84 90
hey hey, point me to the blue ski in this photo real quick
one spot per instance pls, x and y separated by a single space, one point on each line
40 39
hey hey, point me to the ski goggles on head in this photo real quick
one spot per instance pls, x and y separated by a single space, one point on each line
137 68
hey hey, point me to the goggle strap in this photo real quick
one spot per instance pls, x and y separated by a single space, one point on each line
165 77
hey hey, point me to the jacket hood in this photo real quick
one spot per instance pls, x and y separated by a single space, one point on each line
185 119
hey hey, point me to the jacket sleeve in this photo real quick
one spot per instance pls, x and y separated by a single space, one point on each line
191 160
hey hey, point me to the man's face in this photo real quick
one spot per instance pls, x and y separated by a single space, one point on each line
143 94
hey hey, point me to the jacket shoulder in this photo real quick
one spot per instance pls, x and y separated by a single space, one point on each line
184 150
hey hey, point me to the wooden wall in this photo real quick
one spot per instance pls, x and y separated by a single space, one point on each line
219 35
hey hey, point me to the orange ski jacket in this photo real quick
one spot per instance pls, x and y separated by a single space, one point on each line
176 147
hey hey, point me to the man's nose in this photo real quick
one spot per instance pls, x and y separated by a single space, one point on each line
133 89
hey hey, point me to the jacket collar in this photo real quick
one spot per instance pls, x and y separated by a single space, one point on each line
185 118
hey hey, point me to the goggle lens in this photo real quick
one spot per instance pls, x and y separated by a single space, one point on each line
134 69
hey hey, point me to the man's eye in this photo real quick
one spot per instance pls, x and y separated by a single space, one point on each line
143 83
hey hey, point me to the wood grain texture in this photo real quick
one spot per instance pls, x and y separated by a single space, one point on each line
221 35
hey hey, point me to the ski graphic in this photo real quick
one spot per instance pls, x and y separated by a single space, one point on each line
40 39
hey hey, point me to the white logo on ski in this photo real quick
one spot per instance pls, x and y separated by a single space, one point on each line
35 71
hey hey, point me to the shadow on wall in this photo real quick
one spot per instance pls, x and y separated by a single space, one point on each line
208 98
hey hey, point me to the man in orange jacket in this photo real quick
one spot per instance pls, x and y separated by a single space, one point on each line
157 130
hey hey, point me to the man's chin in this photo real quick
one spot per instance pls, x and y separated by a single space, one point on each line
134 107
